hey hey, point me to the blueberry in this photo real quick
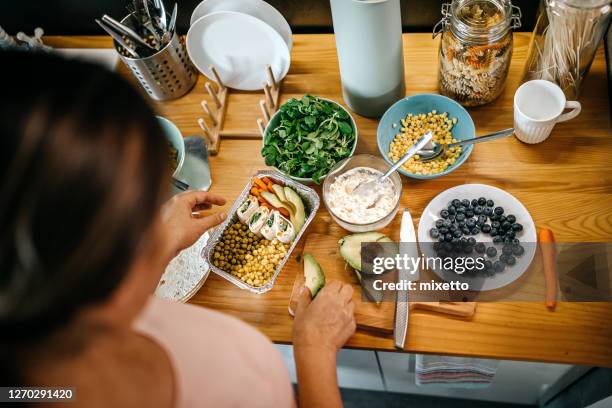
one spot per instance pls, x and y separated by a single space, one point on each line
463 241
502 258
486 228
470 223
491 252
506 225
444 213
448 246
493 232
488 264
456 203
515 241
475 231
511 218
474 202
465 203
441 238
495 224
490 203
498 210
471 241
480 248
507 250
447 223
443 230
451 217
510 260
498 240
510 234
498 266
494 217
460 217
468 249
460 210
487 211
461 224
457 234
448 237
439 223
478 210
482 219
469 213
518 250
482 201
452 210
465 230
517 227
434 233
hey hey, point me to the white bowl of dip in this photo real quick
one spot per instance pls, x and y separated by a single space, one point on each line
356 213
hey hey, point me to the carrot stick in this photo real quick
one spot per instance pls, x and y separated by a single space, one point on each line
255 191
261 200
270 189
266 180
549 261
260 184
284 212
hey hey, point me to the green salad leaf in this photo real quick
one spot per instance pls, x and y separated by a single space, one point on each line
312 135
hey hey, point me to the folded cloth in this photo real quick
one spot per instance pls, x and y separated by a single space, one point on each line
454 372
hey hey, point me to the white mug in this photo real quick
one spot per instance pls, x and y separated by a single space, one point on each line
538 106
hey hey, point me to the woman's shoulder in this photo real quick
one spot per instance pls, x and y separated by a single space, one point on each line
217 358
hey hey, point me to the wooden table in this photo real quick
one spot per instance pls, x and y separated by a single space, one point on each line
566 184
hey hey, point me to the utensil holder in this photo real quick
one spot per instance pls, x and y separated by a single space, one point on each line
167 74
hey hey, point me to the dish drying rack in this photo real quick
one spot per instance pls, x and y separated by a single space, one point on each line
219 93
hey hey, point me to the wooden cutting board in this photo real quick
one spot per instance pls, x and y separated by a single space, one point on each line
369 315
324 248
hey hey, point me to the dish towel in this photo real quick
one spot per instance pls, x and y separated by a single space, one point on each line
454 372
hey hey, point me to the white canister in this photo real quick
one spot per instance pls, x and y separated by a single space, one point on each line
370 53
538 106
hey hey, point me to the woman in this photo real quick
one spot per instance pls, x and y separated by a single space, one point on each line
84 239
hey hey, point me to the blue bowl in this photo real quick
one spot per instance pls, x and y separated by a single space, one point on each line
425 103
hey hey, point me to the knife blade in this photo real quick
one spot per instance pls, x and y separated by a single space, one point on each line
407 246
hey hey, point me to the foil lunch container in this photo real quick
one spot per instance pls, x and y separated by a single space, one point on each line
311 206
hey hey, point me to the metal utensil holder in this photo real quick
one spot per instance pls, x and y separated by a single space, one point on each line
167 74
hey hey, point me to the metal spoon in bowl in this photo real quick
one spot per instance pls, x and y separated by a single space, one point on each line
431 151
367 188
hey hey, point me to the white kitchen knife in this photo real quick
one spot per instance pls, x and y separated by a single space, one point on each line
408 246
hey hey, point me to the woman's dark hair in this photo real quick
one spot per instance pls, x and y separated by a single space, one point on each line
83 168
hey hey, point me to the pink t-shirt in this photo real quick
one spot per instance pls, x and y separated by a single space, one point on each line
218 360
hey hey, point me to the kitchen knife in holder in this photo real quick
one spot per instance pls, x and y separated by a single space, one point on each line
167 74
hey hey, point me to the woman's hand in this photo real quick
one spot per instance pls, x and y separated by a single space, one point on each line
327 321
320 329
183 224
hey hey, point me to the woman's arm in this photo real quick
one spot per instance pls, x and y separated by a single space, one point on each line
320 329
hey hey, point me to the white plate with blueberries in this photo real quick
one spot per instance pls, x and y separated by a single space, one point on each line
480 222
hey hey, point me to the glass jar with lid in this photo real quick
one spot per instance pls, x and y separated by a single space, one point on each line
475 49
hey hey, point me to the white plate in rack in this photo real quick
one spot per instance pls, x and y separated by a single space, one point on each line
240 47
511 205
256 8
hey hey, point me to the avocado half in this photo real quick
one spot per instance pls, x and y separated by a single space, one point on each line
350 246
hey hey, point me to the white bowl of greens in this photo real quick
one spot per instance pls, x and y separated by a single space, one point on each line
307 137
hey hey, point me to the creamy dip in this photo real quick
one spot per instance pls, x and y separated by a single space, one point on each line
359 208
